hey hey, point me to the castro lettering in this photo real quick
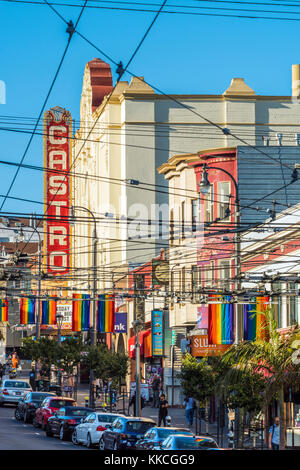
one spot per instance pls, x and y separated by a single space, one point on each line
57 129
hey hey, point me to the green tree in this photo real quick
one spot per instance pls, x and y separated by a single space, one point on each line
70 353
106 363
274 360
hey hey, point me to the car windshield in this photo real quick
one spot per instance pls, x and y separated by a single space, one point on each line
106 418
138 426
163 433
77 412
39 396
60 403
16 384
190 443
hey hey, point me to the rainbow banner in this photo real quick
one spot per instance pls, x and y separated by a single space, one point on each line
221 323
106 314
27 311
254 320
81 312
3 310
49 308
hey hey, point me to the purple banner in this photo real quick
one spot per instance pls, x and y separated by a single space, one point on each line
121 322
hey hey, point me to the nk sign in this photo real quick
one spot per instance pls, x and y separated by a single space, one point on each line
57 152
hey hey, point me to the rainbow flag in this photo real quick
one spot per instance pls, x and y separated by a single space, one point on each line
49 308
3 310
254 320
81 312
27 311
221 323
106 314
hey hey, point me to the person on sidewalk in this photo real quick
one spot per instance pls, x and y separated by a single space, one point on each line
274 434
32 379
189 404
162 410
156 387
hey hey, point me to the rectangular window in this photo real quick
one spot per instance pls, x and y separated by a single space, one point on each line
291 303
209 206
224 273
276 288
195 214
182 219
196 283
224 200
210 274
183 280
171 227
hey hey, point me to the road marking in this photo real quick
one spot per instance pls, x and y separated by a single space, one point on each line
37 433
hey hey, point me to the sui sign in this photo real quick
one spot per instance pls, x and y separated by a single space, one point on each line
57 151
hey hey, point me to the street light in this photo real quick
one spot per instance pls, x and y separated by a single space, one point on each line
93 330
37 321
59 320
204 187
137 326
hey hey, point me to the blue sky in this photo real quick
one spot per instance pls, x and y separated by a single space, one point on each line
182 54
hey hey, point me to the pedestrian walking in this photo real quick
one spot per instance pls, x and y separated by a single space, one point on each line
156 388
133 403
274 434
189 404
162 410
1 371
32 379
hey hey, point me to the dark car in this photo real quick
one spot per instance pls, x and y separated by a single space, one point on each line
28 405
125 432
63 422
156 436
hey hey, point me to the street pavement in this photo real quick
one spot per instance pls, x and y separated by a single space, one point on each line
16 435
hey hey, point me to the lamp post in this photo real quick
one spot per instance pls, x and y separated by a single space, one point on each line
204 187
38 316
59 319
137 326
93 330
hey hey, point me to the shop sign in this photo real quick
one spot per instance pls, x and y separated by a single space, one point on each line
121 322
200 347
157 333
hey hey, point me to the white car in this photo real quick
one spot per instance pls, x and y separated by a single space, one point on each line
92 427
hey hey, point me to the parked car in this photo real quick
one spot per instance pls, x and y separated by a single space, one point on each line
92 427
48 407
124 433
63 422
28 405
184 442
12 390
156 436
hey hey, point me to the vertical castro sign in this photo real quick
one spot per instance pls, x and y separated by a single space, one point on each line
57 156
157 322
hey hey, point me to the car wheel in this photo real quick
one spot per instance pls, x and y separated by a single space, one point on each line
35 423
74 438
62 435
116 447
49 433
89 443
101 444
17 414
